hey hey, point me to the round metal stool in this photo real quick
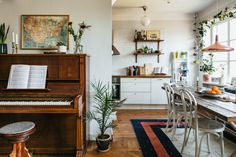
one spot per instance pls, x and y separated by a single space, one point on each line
17 134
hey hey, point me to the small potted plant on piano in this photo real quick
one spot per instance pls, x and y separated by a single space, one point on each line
61 47
102 114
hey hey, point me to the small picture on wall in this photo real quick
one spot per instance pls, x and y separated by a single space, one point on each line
153 34
42 32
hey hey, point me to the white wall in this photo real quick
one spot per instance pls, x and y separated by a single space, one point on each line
96 41
178 36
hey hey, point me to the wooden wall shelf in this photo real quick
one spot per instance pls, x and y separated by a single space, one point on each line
153 41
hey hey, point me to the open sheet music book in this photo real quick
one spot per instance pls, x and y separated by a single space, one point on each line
27 76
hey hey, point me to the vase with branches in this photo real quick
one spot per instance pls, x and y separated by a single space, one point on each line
102 113
77 36
3 37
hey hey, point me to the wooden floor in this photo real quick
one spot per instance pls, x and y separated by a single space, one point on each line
124 141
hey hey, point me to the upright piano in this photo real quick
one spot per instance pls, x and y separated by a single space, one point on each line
56 110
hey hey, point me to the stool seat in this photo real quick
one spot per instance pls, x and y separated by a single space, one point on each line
17 128
17 133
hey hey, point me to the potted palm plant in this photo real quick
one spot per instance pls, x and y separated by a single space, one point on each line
3 37
102 112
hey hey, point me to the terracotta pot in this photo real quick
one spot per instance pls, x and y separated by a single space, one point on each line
206 77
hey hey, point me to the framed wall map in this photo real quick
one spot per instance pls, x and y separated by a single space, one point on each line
42 32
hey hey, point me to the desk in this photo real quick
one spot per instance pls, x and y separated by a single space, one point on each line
223 110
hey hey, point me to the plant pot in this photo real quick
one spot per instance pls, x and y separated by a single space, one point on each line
62 49
206 77
3 48
103 143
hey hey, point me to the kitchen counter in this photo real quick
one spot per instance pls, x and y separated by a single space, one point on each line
142 76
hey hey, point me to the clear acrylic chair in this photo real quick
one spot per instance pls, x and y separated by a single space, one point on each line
207 126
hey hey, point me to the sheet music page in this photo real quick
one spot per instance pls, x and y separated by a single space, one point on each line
18 77
37 76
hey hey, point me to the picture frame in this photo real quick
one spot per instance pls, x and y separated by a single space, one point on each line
42 32
153 34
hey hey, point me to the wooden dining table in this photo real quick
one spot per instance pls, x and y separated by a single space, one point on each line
215 107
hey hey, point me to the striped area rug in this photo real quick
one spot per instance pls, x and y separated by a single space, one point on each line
152 140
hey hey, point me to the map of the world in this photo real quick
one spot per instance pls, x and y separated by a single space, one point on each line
43 32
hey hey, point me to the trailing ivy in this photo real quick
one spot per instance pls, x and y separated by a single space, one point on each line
201 27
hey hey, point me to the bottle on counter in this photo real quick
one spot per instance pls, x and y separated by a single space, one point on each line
135 73
130 71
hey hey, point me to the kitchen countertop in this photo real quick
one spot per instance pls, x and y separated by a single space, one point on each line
143 76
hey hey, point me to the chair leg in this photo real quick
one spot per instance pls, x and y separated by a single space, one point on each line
168 120
196 142
222 144
209 143
185 138
188 135
200 144
175 126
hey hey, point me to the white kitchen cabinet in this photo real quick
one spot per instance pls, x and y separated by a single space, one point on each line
143 90
136 97
136 90
158 95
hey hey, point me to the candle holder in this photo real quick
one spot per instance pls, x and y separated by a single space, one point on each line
13 47
197 90
16 47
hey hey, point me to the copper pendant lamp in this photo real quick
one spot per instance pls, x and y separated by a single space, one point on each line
217 47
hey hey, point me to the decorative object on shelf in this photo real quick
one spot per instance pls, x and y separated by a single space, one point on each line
42 32
61 46
78 36
183 54
102 114
207 68
153 34
3 37
145 21
140 35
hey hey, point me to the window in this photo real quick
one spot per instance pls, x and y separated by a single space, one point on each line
225 61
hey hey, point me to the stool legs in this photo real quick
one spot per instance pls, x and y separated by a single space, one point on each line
19 150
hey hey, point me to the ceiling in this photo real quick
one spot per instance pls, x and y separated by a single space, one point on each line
160 8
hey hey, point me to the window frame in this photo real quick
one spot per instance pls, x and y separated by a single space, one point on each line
212 40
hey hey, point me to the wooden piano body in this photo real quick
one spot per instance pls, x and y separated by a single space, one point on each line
59 129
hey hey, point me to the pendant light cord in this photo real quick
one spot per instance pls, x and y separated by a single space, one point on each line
217 9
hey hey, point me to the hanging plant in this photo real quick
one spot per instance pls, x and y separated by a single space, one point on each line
201 27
